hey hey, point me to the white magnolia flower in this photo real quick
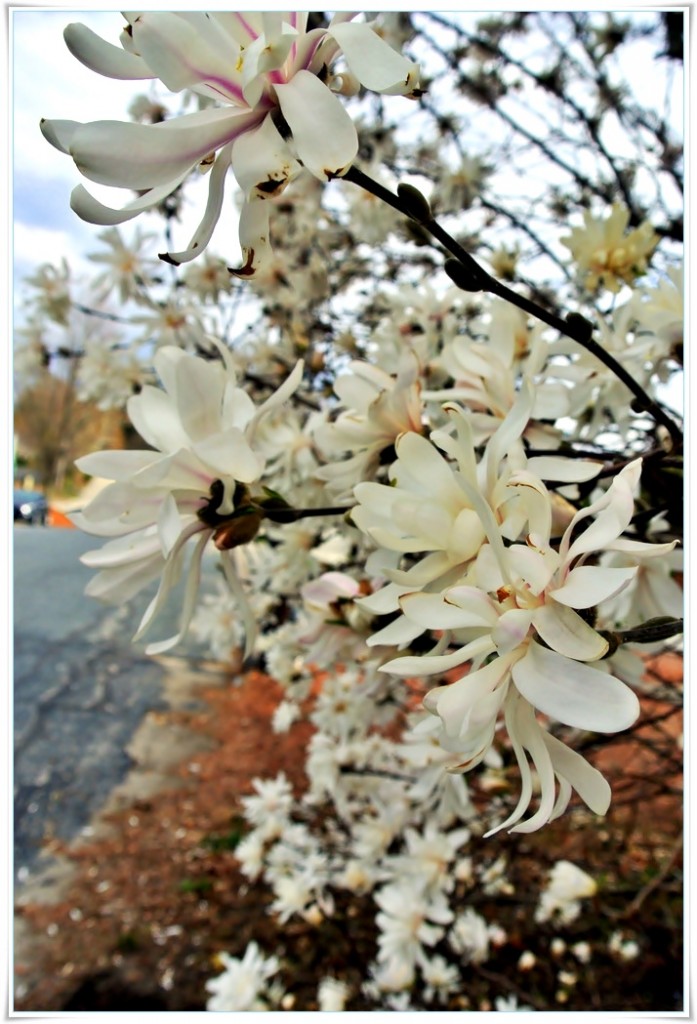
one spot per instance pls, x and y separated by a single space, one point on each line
194 484
270 808
332 995
128 271
441 979
469 936
274 109
52 296
567 885
517 624
605 254
242 984
407 921
378 408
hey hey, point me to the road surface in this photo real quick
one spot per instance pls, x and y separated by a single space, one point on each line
80 690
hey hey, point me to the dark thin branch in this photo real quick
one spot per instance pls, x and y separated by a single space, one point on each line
467 274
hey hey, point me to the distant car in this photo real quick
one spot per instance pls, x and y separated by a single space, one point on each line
30 507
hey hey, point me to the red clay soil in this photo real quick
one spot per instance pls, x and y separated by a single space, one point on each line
151 905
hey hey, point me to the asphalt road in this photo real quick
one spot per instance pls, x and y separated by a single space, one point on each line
80 690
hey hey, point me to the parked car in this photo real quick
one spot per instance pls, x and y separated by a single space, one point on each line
30 507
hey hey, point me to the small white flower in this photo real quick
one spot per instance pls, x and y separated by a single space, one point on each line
566 886
332 995
242 984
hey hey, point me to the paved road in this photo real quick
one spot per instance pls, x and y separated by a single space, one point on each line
80 691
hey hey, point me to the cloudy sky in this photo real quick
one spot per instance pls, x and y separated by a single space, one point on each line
47 81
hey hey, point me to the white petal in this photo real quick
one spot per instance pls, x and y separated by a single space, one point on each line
437 611
116 465
211 214
228 453
154 415
262 161
190 595
102 57
375 64
550 467
141 156
251 629
591 786
588 585
566 632
183 57
59 133
199 387
430 665
91 210
254 238
324 137
574 693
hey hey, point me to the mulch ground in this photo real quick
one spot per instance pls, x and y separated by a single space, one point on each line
152 903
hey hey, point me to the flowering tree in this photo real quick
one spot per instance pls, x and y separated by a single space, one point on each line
417 412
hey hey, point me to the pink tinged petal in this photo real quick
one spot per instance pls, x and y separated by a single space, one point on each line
375 64
190 596
574 693
254 238
262 58
228 454
588 585
591 786
511 629
182 57
262 161
102 57
566 632
324 137
211 215
141 156
549 467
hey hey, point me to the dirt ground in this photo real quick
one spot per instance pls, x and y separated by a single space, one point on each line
155 893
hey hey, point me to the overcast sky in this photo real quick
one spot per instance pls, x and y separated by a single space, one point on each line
47 81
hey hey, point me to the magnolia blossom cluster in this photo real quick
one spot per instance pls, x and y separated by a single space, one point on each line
270 108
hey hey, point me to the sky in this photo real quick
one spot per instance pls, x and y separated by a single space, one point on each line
47 81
